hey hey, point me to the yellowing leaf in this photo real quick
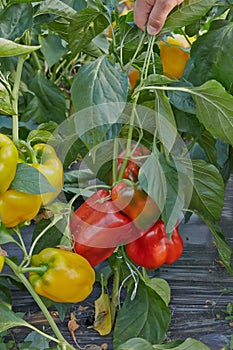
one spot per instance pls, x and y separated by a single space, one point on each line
102 323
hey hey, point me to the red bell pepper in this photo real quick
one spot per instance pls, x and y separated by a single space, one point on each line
134 162
154 248
134 202
97 228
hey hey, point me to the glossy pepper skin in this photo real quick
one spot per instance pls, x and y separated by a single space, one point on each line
134 162
154 248
17 207
65 276
174 54
97 228
8 162
51 167
1 262
134 202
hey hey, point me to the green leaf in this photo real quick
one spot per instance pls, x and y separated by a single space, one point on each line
8 319
211 56
37 136
56 7
37 341
9 48
5 294
5 103
15 20
167 183
51 238
165 121
188 344
48 103
99 82
5 236
153 180
161 287
157 79
182 100
62 309
29 180
128 39
59 26
146 316
186 13
52 48
101 88
178 190
208 143
208 189
76 179
85 26
187 123
135 344
214 110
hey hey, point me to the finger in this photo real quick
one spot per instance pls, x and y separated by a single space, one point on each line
159 14
142 10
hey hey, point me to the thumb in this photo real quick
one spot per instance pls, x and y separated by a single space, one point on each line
159 13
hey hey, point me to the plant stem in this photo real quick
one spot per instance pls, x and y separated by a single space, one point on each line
114 161
21 244
52 223
129 137
15 95
138 48
37 61
61 340
115 291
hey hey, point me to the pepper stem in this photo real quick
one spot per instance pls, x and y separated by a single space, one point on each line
15 95
38 269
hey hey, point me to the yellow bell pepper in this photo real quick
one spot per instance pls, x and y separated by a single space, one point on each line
17 207
174 53
61 276
8 162
51 167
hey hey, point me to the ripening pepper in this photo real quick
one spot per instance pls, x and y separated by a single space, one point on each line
174 54
51 167
17 207
134 163
8 162
97 228
154 248
134 202
61 276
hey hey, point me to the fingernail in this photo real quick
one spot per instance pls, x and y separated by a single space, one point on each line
152 30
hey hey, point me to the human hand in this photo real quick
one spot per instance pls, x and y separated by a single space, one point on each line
153 13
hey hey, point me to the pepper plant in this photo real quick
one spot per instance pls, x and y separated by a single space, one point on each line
161 142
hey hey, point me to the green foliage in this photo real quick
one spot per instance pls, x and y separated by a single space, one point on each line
74 91
151 316
211 55
139 343
52 238
30 180
48 102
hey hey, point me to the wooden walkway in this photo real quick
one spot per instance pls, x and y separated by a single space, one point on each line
201 288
